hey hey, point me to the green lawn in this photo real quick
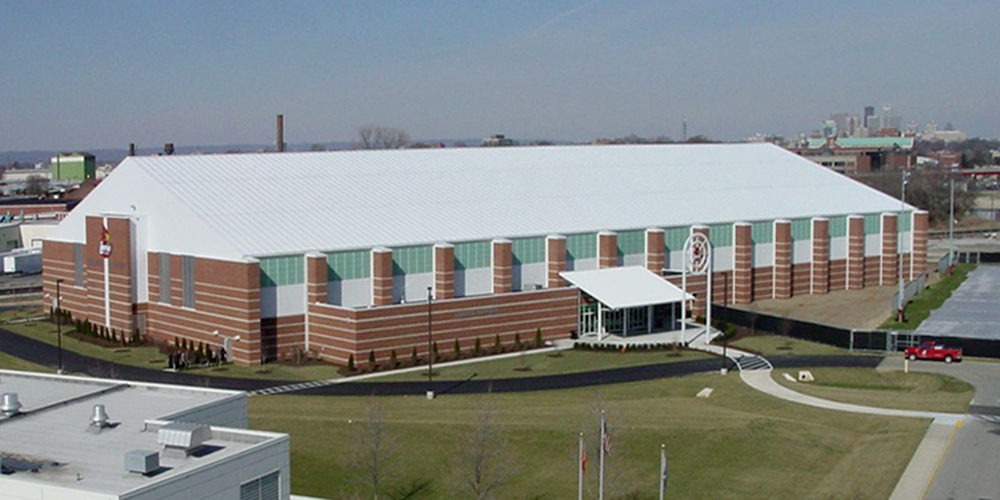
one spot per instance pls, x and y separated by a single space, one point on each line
930 299
8 362
150 357
737 444
774 345
886 389
569 361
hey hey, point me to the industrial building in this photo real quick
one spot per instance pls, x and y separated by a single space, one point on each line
336 253
73 166
76 438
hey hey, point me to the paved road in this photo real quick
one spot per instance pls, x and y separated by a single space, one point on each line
971 311
969 470
45 354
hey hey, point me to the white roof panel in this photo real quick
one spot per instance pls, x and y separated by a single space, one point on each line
621 287
232 206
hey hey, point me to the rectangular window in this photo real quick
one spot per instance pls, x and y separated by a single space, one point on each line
721 235
838 227
528 250
873 223
412 260
762 232
165 278
632 242
801 229
187 275
78 265
581 246
904 221
674 238
353 264
283 270
472 255
263 488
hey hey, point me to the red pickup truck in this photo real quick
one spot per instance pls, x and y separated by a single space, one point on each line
932 350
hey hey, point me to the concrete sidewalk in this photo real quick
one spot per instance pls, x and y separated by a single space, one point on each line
925 462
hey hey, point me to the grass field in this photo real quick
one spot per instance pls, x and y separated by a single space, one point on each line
774 345
930 299
737 444
569 361
868 387
8 362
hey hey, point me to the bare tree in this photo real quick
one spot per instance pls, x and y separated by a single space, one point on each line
36 184
485 461
375 449
378 137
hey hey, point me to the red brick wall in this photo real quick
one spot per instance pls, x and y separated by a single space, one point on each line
920 221
282 337
855 252
119 273
57 263
444 271
743 263
889 264
503 260
607 249
655 258
556 263
337 332
820 261
381 276
838 274
782 259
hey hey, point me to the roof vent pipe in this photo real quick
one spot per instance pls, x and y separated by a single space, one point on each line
100 417
9 404
280 139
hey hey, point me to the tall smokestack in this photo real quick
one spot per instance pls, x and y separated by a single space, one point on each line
131 149
281 133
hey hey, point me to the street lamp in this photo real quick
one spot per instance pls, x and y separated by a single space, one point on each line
899 245
430 351
59 325
951 221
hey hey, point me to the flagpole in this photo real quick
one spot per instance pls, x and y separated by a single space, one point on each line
663 468
600 459
579 486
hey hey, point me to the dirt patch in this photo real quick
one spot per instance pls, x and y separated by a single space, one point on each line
862 309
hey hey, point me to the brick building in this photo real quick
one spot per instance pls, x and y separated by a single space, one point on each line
333 253
861 155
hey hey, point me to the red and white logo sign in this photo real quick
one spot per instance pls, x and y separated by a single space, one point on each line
105 247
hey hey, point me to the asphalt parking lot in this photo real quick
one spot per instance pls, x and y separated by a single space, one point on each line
972 311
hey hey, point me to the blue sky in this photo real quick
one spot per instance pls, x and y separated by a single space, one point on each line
103 74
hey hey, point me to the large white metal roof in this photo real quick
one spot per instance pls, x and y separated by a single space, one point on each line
239 205
621 287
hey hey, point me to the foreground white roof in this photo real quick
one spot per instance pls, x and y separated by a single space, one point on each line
621 287
239 205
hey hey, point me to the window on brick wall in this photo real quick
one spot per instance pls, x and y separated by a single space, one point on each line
78 265
165 278
187 276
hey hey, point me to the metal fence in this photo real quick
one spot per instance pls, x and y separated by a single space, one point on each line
909 291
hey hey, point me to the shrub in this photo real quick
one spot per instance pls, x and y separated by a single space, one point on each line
458 349
477 349
437 354
538 337
371 359
497 346
393 361
350 363
517 342
413 356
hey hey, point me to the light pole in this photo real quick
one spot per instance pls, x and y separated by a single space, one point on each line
899 246
951 221
430 351
59 325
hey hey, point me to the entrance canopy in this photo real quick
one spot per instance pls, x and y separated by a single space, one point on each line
624 287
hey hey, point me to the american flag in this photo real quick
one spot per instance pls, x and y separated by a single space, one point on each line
605 436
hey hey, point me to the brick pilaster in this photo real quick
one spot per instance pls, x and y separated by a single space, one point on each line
315 278
782 259
919 247
607 249
888 264
742 263
699 283
381 276
855 252
444 271
502 263
655 258
555 260
120 279
819 279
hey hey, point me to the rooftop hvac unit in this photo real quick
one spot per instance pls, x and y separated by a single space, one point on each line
9 404
183 436
142 461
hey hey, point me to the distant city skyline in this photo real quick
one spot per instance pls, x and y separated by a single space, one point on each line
103 74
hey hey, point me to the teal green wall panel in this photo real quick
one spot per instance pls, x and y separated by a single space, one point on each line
472 255
528 250
838 226
801 229
721 235
873 223
581 246
632 242
762 232
412 260
283 270
349 265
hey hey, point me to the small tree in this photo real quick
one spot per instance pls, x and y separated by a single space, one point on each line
458 349
371 360
497 346
414 359
350 363
477 349
393 361
376 453
538 337
517 342
437 354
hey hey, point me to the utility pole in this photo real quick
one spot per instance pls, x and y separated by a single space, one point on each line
899 246
951 221
59 325
430 350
